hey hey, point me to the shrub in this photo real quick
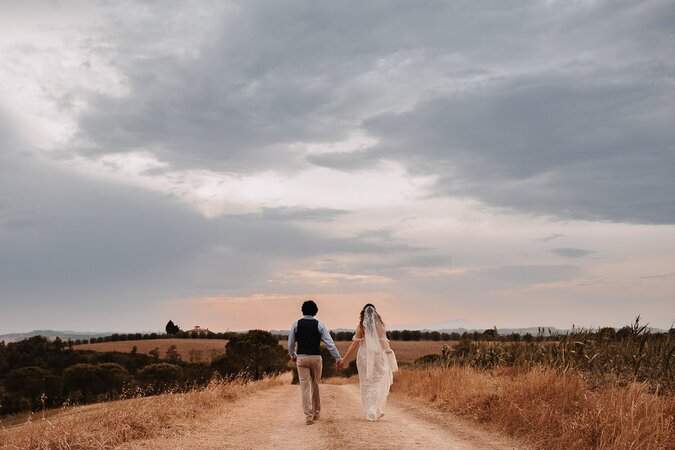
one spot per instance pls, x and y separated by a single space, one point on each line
253 354
112 378
28 382
160 377
172 354
82 378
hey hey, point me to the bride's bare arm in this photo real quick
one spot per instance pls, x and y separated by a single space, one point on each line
355 345
382 334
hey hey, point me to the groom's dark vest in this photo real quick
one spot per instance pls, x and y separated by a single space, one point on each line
308 337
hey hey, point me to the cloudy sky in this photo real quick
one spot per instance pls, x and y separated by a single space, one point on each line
457 163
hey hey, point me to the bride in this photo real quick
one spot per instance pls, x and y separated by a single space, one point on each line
375 362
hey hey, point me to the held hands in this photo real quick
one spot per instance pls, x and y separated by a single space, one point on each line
340 364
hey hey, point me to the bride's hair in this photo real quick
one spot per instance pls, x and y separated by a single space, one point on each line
363 313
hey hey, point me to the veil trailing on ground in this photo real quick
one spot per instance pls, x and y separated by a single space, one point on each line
376 363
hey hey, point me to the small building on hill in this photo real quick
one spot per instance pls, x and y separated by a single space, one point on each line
198 330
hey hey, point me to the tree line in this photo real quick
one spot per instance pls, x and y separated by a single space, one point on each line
38 373
393 335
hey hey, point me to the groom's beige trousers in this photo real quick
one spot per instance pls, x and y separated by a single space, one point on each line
309 373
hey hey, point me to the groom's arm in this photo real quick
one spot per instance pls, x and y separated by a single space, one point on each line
291 340
328 340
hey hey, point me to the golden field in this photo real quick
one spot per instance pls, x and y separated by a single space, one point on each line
406 351
546 408
538 407
184 346
108 425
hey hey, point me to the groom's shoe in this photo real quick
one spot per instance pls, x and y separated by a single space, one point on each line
316 417
309 422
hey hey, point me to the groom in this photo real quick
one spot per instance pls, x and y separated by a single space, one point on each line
308 333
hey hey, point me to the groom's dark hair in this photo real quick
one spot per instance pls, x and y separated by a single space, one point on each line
309 308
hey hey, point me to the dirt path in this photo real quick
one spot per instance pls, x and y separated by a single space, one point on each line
273 419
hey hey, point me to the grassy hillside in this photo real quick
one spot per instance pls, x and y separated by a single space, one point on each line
107 425
184 346
406 351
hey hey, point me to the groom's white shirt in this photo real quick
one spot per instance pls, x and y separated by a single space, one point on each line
325 337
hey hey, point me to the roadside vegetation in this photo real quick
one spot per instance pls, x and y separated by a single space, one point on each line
603 389
112 424
37 374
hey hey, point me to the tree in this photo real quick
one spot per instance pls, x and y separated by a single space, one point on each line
195 355
608 333
490 334
253 354
53 390
172 354
27 382
624 332
83 378
160 377
154 353
112 377
171 328
197 374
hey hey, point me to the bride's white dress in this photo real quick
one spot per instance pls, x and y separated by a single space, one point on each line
376 364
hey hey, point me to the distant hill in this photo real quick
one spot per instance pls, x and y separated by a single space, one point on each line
53 334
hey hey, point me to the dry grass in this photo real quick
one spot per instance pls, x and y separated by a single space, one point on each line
614 358
108 425
406 351
184 346
546 408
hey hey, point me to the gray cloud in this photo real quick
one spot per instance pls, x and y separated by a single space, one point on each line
571 252
575 123
587 144
69 243
393 266
556 108
529 274
233 88
473 285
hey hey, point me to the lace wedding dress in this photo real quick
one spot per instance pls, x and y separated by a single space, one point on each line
376 364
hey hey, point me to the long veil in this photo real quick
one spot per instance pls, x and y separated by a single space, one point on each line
373 346
376 363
